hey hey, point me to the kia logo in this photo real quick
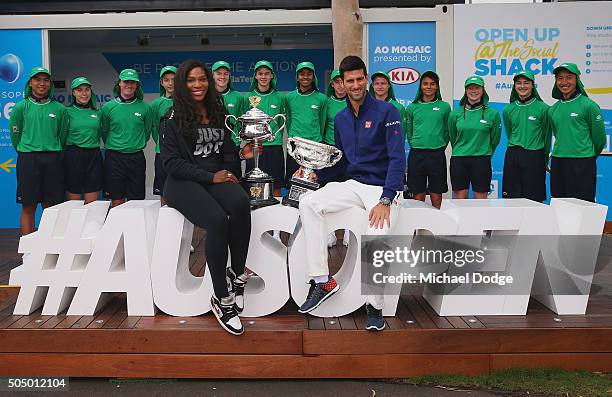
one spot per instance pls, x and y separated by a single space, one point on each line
404 76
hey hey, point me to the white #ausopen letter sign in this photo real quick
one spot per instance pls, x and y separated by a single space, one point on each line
77 257
180 293
521 217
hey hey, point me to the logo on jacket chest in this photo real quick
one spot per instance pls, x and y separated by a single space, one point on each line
209 140
368 124
396 122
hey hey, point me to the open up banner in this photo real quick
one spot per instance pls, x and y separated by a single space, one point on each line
496 41
20 51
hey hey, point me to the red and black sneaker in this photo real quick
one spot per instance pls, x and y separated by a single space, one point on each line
319 293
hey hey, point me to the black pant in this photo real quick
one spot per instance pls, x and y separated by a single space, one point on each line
573 177
524 174
475 170
124 175
224 211
40 178
427 171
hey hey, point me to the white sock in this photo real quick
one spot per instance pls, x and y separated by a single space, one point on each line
276 234
321 279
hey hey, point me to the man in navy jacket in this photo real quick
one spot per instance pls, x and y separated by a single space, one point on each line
369 133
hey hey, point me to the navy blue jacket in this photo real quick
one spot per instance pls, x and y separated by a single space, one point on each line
372 145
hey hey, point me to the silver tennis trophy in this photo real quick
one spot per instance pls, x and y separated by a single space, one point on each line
255 128
311 156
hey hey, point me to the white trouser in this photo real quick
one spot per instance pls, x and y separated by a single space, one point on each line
336 197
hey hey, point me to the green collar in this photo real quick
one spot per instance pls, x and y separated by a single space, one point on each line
266 94
532 100
310 93
39 103
126 102
434 101
571 99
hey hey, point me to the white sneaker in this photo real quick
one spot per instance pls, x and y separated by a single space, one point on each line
331 240
346 237
225 312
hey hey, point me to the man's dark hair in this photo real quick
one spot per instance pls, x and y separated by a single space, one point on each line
350 63
185 107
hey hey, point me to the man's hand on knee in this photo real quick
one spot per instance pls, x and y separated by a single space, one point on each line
378 215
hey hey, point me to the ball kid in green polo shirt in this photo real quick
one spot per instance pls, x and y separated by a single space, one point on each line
38 126
82 157
306 112
126 128
426 121
580 136
272 102
159 107
382 89
528 132
234 101
474 130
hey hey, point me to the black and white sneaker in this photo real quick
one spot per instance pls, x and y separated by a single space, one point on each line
226 314
376 322
236 286
318 293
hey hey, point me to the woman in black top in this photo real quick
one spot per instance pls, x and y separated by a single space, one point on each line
202 163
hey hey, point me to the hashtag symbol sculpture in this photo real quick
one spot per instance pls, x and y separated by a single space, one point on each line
56 256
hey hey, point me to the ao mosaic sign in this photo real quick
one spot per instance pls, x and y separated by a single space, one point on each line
80 253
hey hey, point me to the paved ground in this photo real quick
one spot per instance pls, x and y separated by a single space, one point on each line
240 388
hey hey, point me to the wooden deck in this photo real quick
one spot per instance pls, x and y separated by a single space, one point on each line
290 345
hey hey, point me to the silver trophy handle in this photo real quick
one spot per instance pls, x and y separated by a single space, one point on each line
229 116
290 147
335 157
279 128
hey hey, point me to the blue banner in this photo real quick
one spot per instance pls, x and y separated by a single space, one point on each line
148 64
20 51
404 50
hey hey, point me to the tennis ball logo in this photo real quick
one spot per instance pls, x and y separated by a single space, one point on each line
10 67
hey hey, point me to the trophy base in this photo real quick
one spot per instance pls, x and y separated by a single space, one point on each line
299 187
260 191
